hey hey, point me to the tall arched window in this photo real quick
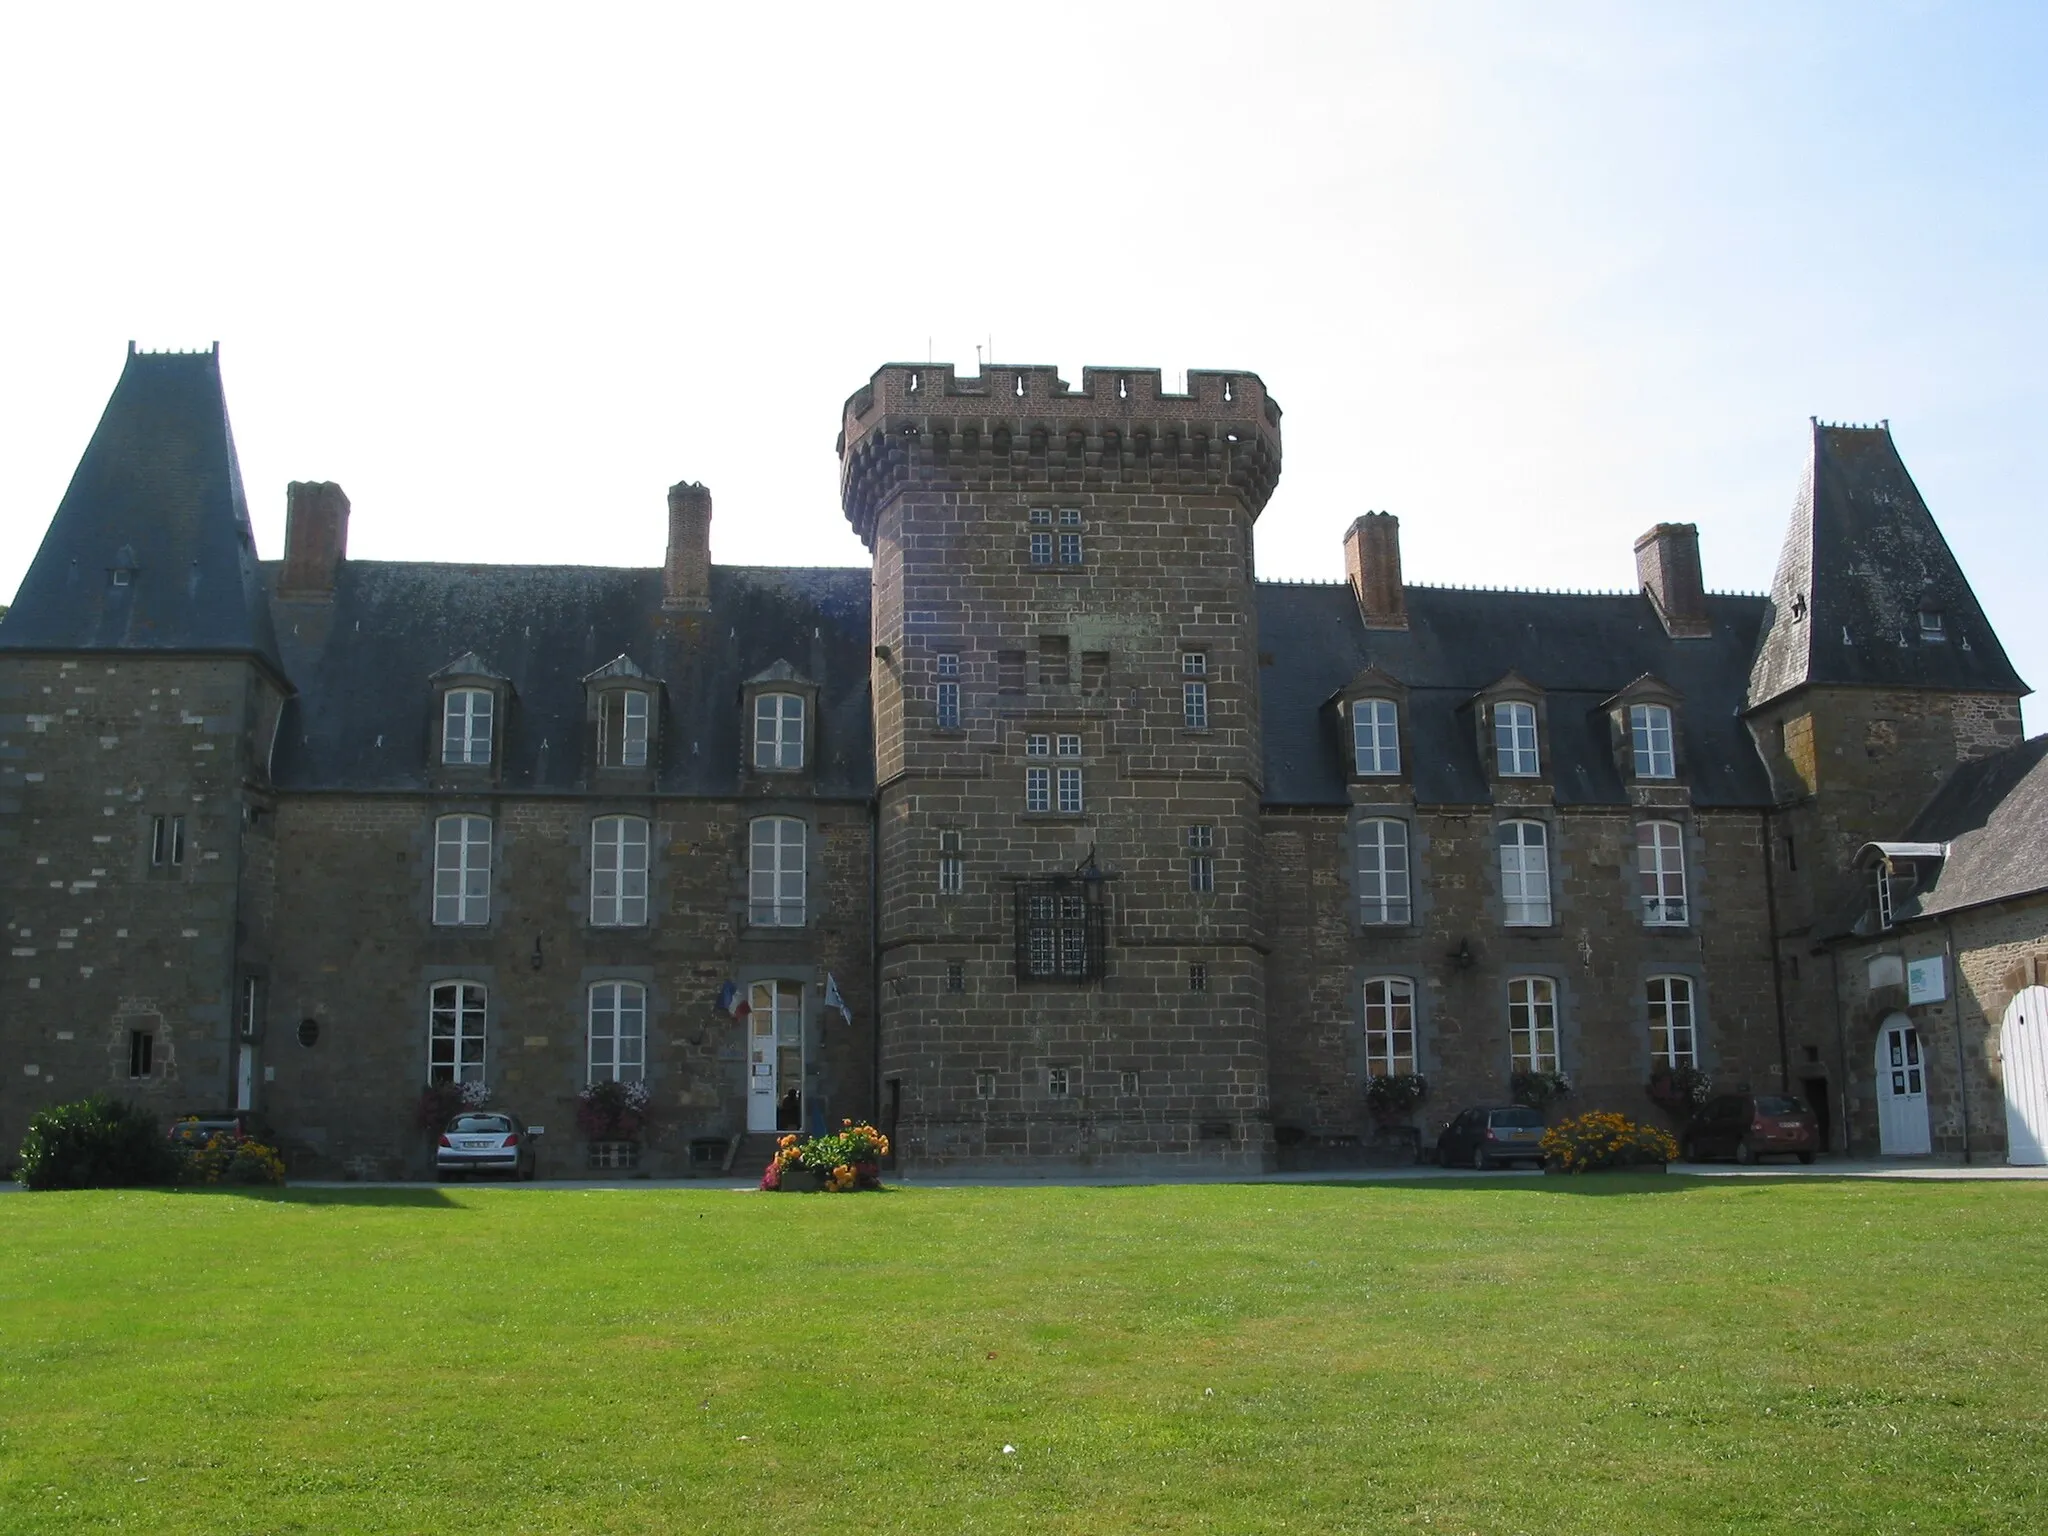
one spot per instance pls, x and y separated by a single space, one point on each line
462 871
618 872
1532 1024
1389 1026
1674 1039
1524 874
1383 872
455 1032
1660 873
618 1032
775 872
778 731
466 726
1375 737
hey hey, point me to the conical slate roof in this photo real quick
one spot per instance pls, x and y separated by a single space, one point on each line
151 548
1862 561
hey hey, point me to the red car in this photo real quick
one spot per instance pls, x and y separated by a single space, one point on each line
1748 1126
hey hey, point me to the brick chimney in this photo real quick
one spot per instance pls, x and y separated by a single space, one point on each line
315 540
686 578
1668 566
1372 560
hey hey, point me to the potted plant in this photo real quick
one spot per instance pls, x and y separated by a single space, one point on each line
613 1119
1539 1090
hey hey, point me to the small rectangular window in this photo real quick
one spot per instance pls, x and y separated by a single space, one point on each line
1057 1082
1194 705
1041 549
952 867
1070 791
1041 517
1201 862
984 1085
1053 670
1070 517
778 732
1375 737
623 729
141 1053
167 841
1932 629
956 976
1037 746
1070 549
1198 976
949 693
1038 789
1127 1084
1070 746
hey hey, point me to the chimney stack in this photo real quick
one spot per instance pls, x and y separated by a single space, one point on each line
315 540
686 578
1372 560
1668 566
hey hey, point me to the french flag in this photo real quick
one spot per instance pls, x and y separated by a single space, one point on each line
734 1001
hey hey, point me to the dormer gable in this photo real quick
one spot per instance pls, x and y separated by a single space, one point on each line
622 707
468 702
1897 874
779 722
1643 731
1511 726
1371 723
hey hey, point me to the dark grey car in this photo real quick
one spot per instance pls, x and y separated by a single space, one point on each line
1492 1138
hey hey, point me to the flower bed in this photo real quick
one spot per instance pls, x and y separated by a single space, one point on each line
224 1159
1603 1139
849 1159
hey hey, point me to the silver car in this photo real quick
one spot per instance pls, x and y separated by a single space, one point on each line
484 1141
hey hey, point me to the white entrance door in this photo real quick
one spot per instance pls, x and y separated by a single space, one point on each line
1901 1090
761 1066
2023 1050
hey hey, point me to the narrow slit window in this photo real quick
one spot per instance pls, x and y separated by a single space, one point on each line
1202 859
952 866
141 1053
948 706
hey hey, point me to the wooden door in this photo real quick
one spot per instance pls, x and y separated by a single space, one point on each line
2023 1055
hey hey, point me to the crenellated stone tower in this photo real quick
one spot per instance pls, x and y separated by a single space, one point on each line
1068 761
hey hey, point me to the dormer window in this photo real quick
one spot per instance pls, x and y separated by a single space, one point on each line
1649 729
466 716
778 731
1375 737
1932 631
624 717
1514 740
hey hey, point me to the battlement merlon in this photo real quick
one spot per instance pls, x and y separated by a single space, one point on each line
1121 424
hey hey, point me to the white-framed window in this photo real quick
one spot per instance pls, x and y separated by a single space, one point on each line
1194 690
775 879
948 708
1932 629
1383 872
167 841
623 716
1070 517
1069 746
952 867
1649 731
618 1032
1389 1026
1375 737
984 1085
1070 548
1202 859
1038 789
1041 547
1041 517
1058 1081
1037 746
1883 878
1660 872
1514 740
1532 1023
778 731
1525 874
466 725
455 1032
618 872
1674 1041
462 871
1070 791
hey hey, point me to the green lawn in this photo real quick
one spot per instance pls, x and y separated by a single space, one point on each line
1642 1355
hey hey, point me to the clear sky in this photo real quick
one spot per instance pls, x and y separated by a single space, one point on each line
1531 277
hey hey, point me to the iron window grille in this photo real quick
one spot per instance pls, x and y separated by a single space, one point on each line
1060 926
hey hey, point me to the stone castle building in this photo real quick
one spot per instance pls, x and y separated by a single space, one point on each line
1056 838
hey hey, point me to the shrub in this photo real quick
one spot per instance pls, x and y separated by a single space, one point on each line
96 1143
1680 1090
1395 1096
228 1160
1603 1139
1539 1090
612 1111
850 1158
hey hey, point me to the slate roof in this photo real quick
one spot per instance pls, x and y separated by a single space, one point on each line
159 494
364 715
1993 814
1581 649
1861 558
